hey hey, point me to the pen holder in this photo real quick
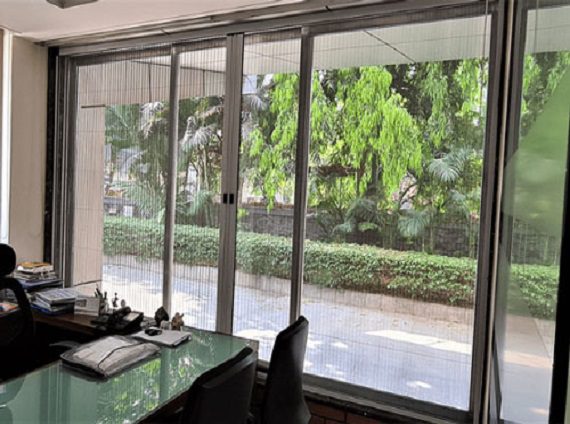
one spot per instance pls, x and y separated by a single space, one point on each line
103 306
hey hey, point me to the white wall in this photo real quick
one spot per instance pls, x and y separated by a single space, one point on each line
28 148
4 145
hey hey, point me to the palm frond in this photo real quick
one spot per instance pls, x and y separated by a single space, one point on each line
413 223
442 169
149 202
449 167
150 115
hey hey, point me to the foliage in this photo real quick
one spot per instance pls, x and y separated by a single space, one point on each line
198 211
362 217
415 275
413 223
408 137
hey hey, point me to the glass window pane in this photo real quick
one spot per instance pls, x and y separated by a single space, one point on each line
266 187
196 241
532 220
396 156
121 145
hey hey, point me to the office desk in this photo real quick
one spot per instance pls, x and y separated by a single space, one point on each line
53 394
68 322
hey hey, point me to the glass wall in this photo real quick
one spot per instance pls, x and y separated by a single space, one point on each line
266 187
396 157
529 254
395 166
120 156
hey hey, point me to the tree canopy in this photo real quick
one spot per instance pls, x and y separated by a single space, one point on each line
401 142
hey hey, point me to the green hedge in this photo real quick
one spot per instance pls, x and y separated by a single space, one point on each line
362 268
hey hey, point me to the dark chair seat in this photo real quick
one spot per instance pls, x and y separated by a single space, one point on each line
223 394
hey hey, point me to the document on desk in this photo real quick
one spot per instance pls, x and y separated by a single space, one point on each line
108 356
165 338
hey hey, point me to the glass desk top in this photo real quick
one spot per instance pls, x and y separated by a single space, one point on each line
54 394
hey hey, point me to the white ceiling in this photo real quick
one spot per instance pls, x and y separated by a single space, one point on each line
451 39
41 21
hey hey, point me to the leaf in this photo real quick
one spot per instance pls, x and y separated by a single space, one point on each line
413 223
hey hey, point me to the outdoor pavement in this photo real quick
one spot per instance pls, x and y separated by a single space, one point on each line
401 353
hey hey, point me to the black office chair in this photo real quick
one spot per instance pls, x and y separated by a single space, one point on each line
17 325
20 350
223 394
283 400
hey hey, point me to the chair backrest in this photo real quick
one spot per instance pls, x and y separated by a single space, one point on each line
283 400
16 326
7 260
223 394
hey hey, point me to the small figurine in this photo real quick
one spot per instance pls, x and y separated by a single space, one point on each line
177 321
160 315
115 301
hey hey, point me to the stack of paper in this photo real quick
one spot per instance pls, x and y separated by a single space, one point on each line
55 301
108 356
35 275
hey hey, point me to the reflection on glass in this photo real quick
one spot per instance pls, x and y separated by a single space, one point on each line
121 148
532 221
56 395
397 135
266 187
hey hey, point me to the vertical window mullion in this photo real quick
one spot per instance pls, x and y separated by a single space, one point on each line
68 180
230 159
170 195
486 288
301 173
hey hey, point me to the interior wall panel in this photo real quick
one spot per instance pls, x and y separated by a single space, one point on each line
28 148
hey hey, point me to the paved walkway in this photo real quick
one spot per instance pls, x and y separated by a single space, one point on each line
401 353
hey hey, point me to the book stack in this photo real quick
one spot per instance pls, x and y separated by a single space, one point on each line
54 301
36 275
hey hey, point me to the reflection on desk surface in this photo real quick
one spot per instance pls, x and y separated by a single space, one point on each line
53 394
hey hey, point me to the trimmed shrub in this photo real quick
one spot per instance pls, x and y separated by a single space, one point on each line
369 269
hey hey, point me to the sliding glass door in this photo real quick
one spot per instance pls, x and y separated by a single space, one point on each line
266 186
202 79
394 193
119 161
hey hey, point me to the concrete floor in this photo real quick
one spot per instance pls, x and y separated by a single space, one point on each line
398 352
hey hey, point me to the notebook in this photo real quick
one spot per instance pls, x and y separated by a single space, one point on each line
168 338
